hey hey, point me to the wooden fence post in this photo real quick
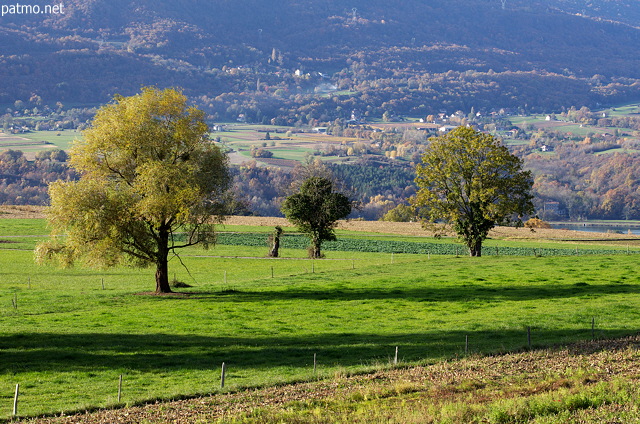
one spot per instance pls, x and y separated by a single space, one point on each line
120 388
15 401
222 375
395 359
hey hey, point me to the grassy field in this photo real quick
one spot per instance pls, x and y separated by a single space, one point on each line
589 382
67 335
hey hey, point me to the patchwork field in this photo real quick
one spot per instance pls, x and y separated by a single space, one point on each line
32 142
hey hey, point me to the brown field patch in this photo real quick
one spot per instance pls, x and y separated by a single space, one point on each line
283 163
9 211
10 139
397 228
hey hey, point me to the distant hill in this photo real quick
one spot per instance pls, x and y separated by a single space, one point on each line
409 56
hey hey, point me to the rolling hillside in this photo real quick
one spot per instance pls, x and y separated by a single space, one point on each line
520 52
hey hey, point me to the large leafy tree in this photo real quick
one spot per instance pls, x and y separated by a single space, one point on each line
315 210
469 180
150 183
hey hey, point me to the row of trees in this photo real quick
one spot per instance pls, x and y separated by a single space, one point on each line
151 183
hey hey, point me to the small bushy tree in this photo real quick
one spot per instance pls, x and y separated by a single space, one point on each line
315 210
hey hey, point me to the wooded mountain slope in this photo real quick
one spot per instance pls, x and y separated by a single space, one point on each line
101 47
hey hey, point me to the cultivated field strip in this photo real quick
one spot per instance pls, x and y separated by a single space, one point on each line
295 241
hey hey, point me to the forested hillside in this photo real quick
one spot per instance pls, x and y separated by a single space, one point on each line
303 62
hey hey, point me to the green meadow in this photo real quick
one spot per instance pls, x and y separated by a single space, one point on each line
67 335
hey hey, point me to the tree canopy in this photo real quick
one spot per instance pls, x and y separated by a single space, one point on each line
315 210
469 180
150 183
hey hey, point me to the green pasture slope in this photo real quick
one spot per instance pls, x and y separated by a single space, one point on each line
67 335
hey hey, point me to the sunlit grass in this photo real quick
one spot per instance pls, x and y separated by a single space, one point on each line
67 334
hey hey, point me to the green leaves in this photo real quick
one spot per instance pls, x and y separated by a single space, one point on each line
147 170
316 209
469 180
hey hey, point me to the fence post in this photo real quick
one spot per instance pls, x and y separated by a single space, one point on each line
593 328
120 388
222 375
529 337
466 344
395 359
315 363
15 401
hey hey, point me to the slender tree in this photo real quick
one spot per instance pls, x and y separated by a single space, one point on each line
315 210
469 180
151 183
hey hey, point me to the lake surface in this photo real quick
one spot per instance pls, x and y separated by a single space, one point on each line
599 228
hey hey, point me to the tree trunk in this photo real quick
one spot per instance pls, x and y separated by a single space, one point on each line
315 249
162 277
274 252
162 262
275 242
475 249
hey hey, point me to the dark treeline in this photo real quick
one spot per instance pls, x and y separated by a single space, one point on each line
24 182
376 185
572 184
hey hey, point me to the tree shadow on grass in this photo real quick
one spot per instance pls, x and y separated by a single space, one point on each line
445 293
30 352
